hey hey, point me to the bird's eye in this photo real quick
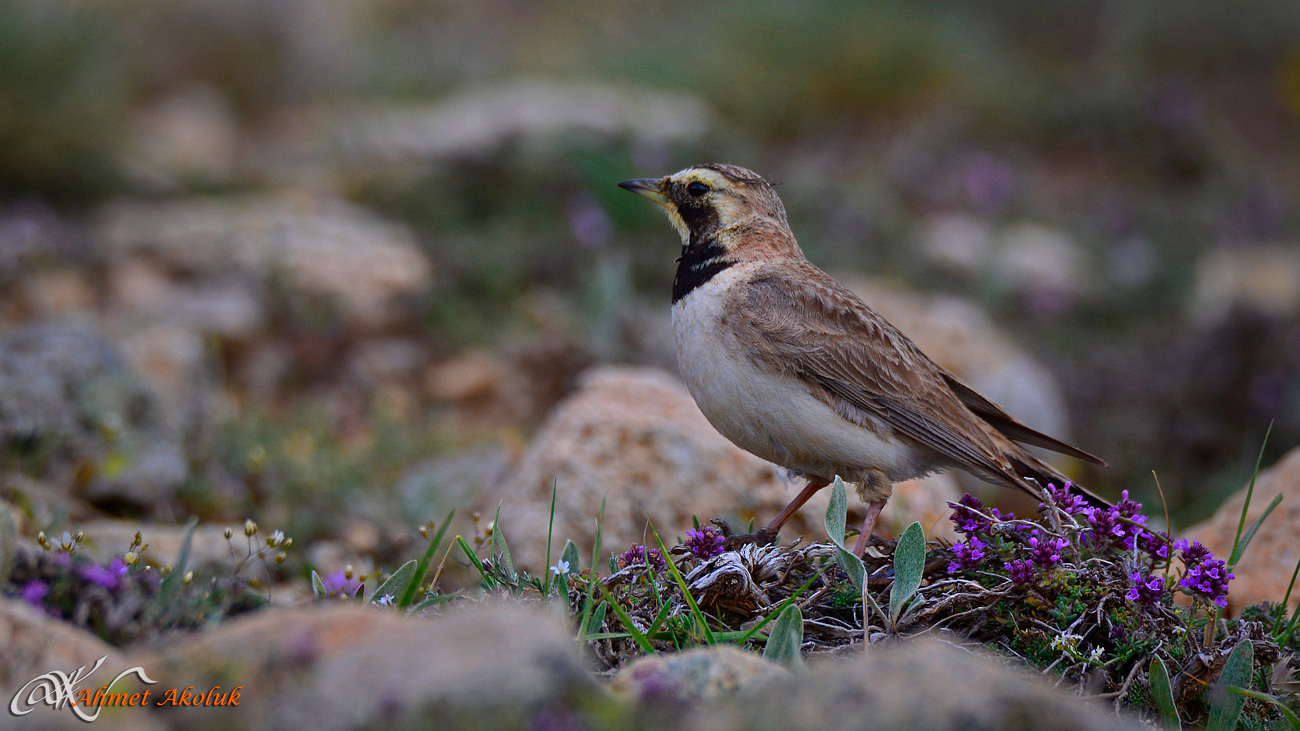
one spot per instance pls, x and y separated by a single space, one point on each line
697 189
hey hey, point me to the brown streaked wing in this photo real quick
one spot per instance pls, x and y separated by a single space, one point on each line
804 322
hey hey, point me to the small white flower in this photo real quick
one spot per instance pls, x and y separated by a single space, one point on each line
1094 657
560 567
385 600
276 538
1065 640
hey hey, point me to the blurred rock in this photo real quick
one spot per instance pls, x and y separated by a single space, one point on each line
1263 278
209 549
959 336
171 359
432 488
67 393
190 135
1035 257
32 644
478 122
703 673
513 389
358 262
1265 568
957 240
343 666
918 684
635 439
57 294
141 291
382 361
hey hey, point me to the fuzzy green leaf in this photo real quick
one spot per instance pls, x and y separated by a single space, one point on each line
1162 694
570 556
786 639
909 565
836 515
396 584
1226 708
172 584
500 550
317 586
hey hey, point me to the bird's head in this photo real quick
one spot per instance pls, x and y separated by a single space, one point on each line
717 205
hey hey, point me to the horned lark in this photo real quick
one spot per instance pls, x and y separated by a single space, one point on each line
791 366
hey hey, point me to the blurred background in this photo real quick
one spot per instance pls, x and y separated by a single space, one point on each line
330 263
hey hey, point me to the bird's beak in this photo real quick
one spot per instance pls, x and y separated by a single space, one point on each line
646 188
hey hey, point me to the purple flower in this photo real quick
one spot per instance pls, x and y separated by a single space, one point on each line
1046 551
338 584
705 542
34 592
1021 571
1206 577
966 516
107 577
1068 501
1109 529
1154 545
638 555
1147 590
967 555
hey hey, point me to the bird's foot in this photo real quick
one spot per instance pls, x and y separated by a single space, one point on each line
732 541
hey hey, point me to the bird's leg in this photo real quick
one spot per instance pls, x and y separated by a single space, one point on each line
767 534
868 526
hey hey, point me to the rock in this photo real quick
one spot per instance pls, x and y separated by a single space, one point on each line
58 293
476 123
32 644
1262 278
704 673
517 388
347 255
1035 257
431 488
959 241
919 684
189 135
635 439
65 388
173 361
209 550
1265 568
344 666
142 292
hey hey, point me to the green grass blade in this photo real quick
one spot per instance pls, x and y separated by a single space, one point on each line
1226 708
909 565
1162 694
1291 718
686 592
836 515
595 577
317 585
500 550
1250 492
623 617
422 568
1250 533
550 533
785 641
469 553
396 584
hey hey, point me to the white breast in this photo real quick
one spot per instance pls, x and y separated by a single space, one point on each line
768 414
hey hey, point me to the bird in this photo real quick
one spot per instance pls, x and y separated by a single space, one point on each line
791 366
